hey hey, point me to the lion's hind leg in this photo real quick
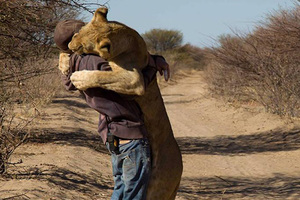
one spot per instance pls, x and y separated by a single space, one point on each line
173 195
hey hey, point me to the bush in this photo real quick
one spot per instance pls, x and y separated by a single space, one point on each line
21 101
159 40
28 59
263 65
186 57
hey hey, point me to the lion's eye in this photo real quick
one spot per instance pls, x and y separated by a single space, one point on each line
75 35
105 47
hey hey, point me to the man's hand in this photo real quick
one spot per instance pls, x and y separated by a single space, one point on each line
161 65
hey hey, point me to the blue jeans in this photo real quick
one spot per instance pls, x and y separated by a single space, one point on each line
131 170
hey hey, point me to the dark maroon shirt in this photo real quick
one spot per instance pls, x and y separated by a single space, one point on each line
118 113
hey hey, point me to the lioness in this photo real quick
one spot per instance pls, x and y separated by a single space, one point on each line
127 54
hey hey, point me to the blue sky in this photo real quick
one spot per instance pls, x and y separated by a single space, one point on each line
200 21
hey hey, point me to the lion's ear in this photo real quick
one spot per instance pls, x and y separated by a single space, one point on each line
100 15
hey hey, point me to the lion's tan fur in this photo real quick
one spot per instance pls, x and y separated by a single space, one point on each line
127 54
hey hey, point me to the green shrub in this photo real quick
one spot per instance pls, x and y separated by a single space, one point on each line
160 40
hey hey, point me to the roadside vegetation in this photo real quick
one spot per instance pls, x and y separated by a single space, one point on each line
262 66
169 43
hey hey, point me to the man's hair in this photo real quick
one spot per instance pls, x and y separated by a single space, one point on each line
64 32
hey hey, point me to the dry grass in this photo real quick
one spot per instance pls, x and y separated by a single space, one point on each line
261 66
28 78
185 58
22 99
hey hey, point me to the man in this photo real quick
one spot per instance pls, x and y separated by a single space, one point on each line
121 124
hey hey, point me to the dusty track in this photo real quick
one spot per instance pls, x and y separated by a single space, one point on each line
231 153
228 153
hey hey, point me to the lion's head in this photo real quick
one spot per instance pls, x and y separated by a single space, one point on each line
111 40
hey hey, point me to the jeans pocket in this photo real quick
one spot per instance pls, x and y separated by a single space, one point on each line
129 165
115 168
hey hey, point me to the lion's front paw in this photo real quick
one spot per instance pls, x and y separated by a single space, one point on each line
64 69
81 80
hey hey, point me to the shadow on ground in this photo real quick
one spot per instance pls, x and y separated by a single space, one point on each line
243 144
70 102
277 187
68 182
75 137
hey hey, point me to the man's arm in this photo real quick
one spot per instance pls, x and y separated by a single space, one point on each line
68 64
112 80
162 66
156 63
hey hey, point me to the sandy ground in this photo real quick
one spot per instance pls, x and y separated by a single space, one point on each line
228 153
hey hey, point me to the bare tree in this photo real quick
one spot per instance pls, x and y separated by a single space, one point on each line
27 57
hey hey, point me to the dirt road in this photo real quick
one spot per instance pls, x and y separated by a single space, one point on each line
228 153
231 153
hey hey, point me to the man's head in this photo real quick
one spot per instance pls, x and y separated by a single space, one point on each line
64 32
